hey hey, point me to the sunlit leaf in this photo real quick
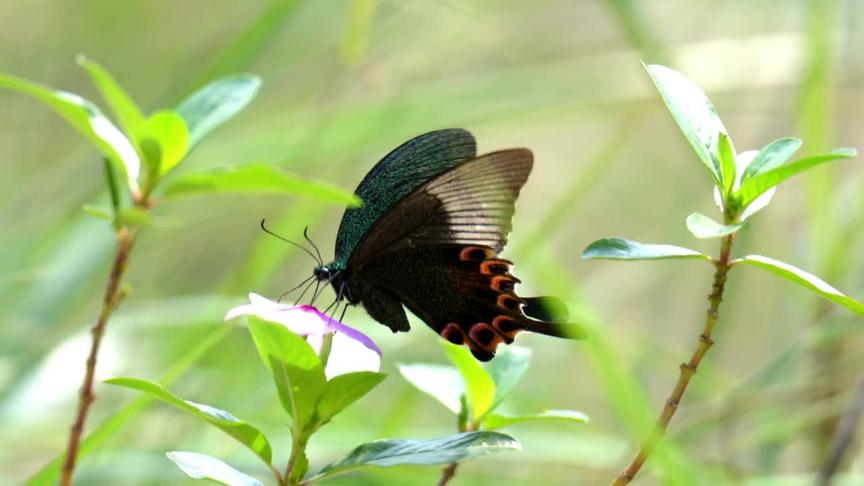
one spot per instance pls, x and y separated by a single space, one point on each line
296 369
479 386
343 390
169 130
128 114
507 370
445 450
443 383
202 466
693 112
758 184
804 279
85 117
497 421
726 154
702 226
243 432
261 178
621 249
772 155
216 103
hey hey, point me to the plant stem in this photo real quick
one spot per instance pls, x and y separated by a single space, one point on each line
450 469
687 370
111 300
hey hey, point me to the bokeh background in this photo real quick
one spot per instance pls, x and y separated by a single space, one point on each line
346 81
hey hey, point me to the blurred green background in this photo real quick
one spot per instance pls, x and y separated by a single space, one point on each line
344 82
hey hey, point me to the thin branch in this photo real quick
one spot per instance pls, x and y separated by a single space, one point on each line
111 300
843 436
687 370
448 473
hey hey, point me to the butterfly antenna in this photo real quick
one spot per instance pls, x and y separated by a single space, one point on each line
286 240
306 236
285 294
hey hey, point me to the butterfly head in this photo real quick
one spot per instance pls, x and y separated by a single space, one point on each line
322 273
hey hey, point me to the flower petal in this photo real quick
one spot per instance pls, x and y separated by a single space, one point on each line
335 326
349 355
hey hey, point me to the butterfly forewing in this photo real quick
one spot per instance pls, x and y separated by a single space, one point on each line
398 174
471 204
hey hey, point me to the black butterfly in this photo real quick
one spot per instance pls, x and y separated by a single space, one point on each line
433 220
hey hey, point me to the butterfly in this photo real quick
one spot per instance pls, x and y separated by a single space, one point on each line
434 218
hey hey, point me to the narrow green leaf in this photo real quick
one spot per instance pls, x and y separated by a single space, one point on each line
758 184
257 178
726 154
621 249
130 116
134 216
98 211
507 370
297 370
772 155
693 112
479 386
169 130
243 432
85 117
396 452
804 279
216 103
443 383
702 226
497 421
202 466
343 390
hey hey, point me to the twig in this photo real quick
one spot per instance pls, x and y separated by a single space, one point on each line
448 473
843 436
687 370
111 300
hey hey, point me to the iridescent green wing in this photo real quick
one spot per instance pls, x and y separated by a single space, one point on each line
400 173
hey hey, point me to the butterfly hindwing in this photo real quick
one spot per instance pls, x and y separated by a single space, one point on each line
467 294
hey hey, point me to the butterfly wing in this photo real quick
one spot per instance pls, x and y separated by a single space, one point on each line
436 252
471 204
398 174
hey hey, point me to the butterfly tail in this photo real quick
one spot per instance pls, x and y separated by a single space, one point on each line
549 315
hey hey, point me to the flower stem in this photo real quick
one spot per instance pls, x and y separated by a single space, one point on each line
687 370
111 300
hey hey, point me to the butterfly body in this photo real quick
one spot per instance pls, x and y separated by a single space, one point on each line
434 219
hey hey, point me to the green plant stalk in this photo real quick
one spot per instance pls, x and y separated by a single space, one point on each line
111 300
688 369
464 426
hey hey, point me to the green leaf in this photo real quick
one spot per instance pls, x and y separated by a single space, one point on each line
772 155
443 383
803 278
134 216
296 369
758 184
169 130
693 112
257 178
479 386
98 211
507 370
343 390
396 452
202 466
726 154
702 226
216 103
85 117
497 421
243 432
130 116
621 249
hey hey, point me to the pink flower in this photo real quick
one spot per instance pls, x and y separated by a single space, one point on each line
351 349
